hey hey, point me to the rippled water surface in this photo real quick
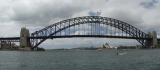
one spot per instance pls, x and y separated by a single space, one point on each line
80 60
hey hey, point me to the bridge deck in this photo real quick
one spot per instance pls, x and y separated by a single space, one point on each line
95 36
10 38
71 36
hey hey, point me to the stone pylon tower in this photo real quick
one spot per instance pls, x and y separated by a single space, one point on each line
153 42
154 39
24 41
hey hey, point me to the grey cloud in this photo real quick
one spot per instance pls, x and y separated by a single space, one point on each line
150 4
94 13
43 14
126 16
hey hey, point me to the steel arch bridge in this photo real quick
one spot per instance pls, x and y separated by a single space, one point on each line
91 26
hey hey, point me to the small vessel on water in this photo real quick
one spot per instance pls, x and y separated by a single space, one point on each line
120 51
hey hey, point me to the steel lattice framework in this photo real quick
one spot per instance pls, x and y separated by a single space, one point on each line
58 27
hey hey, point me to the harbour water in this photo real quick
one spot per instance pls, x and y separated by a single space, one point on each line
148 59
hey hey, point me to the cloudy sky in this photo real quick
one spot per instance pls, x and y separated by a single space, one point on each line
37 14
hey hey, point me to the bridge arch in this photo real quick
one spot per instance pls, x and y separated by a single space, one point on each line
64 24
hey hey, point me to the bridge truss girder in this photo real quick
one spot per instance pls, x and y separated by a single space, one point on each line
55 28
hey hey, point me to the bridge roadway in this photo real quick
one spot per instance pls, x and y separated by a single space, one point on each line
70 36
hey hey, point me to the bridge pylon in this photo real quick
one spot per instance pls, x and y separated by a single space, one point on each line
24 40
152 43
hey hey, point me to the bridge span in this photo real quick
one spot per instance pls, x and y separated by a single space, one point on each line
86 26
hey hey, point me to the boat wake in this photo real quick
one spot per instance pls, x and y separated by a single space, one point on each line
123 53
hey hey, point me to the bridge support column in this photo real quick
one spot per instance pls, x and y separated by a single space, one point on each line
153 42
24 41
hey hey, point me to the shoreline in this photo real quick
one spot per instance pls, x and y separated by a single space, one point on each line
28 49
